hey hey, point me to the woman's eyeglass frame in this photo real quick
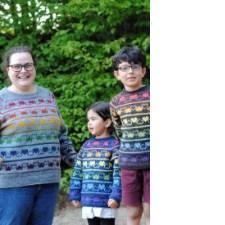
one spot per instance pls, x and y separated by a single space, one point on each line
19 67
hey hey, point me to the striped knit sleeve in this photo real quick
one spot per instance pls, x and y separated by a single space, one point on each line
76 179
117 188
1 119
68 154
115 119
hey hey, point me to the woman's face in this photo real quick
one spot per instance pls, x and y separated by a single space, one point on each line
22 81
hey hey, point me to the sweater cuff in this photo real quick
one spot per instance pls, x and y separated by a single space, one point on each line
74 195
116 197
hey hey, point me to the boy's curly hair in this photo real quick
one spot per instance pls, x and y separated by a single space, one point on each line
128 54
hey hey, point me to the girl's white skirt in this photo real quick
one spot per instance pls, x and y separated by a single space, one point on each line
91 212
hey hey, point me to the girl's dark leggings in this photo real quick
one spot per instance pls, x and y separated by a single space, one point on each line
101 221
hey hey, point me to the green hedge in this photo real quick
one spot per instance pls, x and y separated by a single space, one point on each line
74 42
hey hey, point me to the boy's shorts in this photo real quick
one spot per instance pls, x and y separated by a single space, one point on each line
135 185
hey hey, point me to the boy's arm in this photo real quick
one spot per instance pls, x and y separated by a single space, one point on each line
116 120
76 179
117 188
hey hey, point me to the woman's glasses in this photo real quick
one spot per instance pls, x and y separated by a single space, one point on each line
18 67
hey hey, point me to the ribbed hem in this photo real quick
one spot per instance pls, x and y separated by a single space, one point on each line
30 178
133 167
94 205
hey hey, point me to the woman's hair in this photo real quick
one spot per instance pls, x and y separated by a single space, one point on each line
103 110
8 54
130 55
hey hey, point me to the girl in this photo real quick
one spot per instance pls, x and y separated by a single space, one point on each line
96 183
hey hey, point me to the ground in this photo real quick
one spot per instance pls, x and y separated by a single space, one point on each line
66 214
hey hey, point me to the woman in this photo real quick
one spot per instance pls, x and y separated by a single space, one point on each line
33 139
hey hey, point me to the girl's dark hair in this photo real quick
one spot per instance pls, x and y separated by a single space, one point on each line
130 55
103 110
8 54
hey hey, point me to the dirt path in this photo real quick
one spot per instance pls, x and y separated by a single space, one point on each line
66 214
72 216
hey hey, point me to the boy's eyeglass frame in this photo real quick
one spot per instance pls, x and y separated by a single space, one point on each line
126 68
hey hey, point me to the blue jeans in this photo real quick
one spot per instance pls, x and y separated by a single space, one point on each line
30 205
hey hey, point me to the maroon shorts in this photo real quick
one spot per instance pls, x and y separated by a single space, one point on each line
135 186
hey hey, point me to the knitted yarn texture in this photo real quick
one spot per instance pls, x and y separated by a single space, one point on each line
96 175
33 139
130 113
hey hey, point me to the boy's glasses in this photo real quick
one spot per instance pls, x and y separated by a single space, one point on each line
126 68
18 67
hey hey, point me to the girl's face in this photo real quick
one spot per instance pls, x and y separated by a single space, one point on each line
21 81
97 126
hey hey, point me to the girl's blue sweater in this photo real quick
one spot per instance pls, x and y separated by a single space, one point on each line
96 175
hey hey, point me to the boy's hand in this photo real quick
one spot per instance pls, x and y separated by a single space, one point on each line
1 159
113 203
76 204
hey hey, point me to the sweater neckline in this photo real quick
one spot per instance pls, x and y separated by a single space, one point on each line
145 87
101 139
23 95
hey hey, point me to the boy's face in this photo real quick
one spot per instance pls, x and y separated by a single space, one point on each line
130 75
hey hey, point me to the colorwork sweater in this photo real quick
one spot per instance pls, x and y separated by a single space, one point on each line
96 175
33 139
130 113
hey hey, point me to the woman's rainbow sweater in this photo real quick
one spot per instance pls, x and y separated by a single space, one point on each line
33 139
96 175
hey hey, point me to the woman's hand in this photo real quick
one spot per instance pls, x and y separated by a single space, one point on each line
113 203
76 204
1 159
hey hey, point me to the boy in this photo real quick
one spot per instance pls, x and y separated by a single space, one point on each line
130 111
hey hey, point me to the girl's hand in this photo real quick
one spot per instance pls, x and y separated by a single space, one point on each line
1 159
113 203
76 204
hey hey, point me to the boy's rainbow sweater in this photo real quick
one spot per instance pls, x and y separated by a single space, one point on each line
130 113
96 175
33 139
